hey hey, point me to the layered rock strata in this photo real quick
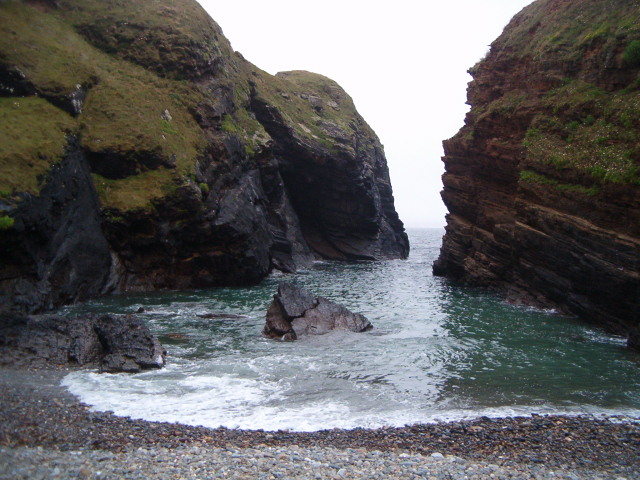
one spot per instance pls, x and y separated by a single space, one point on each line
138 151
543 181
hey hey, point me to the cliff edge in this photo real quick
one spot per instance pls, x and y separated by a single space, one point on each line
543 181
138 151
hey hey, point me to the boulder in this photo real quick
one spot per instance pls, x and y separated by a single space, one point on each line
295 312
127 344
113 343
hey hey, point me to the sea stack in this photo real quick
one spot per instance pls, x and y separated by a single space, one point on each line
295 312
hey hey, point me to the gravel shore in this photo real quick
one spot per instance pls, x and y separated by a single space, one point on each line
45 433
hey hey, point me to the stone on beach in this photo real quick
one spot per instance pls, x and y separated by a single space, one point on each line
114 343
295 312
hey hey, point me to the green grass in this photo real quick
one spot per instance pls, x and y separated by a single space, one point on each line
631 54
528 176
135 192
590 130
122 112
313 106
168 37
6 222
136 60
543 30
33 136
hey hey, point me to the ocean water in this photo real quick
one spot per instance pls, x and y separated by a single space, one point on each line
439 351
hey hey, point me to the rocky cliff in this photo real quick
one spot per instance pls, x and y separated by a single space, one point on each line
138 151
543 181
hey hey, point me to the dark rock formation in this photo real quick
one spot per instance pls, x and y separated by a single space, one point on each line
542 183
110 342
295 312
56 252
127 345
191 168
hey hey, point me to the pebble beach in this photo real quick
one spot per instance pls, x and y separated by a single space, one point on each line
45 433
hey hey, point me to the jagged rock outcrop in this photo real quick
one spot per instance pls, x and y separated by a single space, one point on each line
113 343
543 181
138 152
294 312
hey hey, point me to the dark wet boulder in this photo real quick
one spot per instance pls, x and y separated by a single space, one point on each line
127 344
295 312
113 343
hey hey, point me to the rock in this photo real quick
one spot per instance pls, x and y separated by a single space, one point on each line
295 312
166 116
127 344
228 174
220 315
56 253
528 214
113 343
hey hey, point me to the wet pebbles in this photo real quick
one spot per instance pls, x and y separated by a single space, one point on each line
46 433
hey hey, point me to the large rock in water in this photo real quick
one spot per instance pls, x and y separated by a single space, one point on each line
227 173
295 312
113 343
543 181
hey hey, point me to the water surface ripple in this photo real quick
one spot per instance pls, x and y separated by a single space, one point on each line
439 351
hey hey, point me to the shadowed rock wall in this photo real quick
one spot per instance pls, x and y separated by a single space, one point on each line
543 181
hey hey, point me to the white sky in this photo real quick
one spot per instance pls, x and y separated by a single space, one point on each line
404 63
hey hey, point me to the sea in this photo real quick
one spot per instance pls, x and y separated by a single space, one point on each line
439 351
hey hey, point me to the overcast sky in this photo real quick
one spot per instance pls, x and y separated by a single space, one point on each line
403 62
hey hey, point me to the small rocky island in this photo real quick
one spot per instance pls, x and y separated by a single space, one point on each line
294 312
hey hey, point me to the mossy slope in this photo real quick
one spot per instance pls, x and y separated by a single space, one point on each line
177 145
121 109
133 63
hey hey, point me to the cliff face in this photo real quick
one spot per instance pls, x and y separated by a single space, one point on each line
543 181
138 151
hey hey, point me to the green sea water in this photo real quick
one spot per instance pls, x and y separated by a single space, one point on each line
439 351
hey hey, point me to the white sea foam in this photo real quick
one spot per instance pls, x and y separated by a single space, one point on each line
438 352
233 402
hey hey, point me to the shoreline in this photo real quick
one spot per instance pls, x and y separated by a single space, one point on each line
40 414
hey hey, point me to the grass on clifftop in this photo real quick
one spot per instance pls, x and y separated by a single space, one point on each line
578 127
173 38
33 137
548 30
591 130
314 107
122 112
